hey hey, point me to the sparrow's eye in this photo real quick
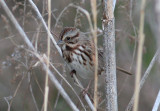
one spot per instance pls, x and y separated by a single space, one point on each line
68 38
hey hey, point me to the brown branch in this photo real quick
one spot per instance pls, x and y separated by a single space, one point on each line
94 33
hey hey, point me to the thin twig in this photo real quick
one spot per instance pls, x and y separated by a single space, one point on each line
57 97
31 91
48 55
85 96
58 94
135 33
94 33
145 76
37 82
39 28
85 12
58 18
157 102
15 93
139 56
24 13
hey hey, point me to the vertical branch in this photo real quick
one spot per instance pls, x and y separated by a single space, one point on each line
48 54
139 56
108 25
94 32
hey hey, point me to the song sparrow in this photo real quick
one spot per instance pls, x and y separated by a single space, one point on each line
79 52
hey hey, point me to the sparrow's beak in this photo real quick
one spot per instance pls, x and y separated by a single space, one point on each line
60 43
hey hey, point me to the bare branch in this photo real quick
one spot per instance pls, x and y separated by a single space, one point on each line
108 24
48 54
94 33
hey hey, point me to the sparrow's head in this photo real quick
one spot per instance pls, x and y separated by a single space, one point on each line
68 38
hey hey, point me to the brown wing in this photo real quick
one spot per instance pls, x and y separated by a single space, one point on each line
100 61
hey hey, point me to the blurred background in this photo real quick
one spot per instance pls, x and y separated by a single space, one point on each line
22 85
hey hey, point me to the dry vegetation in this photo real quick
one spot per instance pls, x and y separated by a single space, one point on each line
22 78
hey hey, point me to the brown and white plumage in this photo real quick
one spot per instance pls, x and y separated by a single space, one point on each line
78 51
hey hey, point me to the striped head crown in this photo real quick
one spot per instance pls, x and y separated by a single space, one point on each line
69 33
